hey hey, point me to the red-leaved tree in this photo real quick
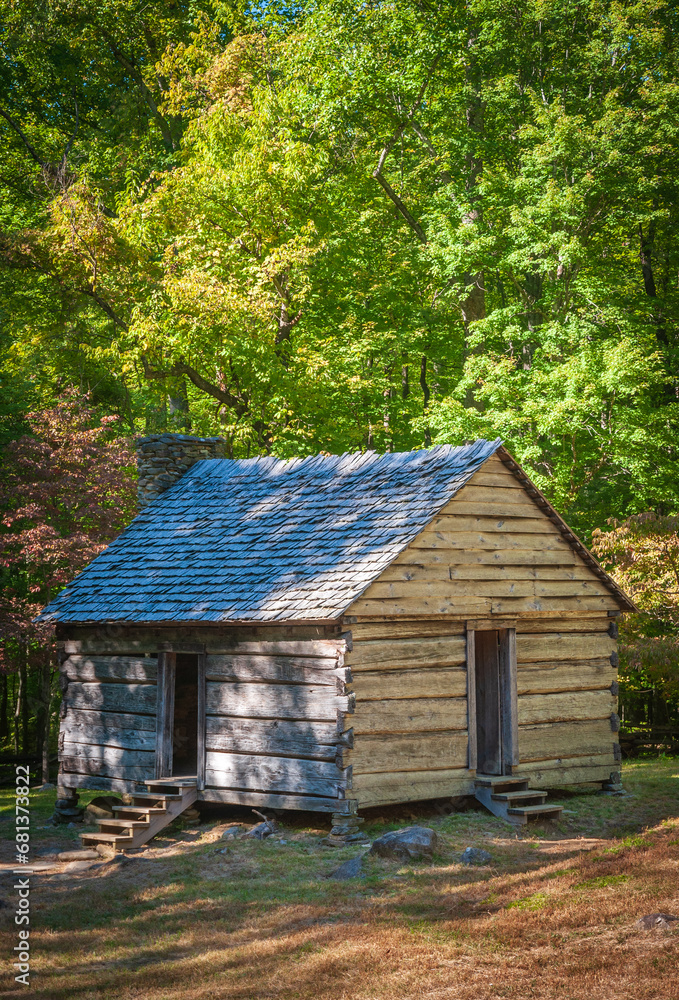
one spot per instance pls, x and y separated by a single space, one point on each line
66 490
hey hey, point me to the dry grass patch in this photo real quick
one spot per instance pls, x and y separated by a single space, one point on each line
551 917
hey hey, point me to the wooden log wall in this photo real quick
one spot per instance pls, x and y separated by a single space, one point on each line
107 737
276 712
492 550
567 700
410 724
277 705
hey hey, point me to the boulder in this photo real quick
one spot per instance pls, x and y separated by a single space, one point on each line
101 808
350 869
475 856
411 843
655 922
78 866
84 855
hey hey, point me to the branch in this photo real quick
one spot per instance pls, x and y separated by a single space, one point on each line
136 75
421 134
224 396
104 305
377 172
31 149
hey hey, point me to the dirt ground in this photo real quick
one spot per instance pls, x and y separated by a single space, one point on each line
194 916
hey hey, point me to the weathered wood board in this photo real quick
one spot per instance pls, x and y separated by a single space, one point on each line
132 732
578 675
408 752
565 706
531 648
443 651
432 682
410 786
409 715
273 800
273 736
112 757
129 698
273 774
276 701
111 668
282 669
545 741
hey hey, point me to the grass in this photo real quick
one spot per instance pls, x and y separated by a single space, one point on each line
551 917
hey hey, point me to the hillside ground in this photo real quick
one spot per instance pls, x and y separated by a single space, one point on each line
551 916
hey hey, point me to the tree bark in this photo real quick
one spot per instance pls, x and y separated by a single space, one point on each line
21 707
646 248
4 722
425 397
178 400
474 306
43 718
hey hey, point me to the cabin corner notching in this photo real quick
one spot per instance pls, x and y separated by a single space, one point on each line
338 633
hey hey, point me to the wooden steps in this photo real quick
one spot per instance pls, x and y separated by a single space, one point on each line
511 799
134 824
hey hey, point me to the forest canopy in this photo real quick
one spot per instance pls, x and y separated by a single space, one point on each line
339 225
330 226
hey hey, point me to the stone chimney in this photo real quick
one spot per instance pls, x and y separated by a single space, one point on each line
162 459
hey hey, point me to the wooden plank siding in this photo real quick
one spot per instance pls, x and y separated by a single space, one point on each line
491 550
409 729
108 719
410 723
276 704
275 718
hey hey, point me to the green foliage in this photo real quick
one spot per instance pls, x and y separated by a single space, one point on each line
339 226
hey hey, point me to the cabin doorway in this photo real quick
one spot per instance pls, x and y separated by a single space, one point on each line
495 715
185 723
180 732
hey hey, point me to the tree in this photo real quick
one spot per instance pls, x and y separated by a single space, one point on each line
643 554
66 492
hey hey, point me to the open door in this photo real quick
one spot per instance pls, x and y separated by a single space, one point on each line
492 704
180 723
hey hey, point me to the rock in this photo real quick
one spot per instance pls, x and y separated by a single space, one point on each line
45 788
475 856
101 808
232 832
191 815
262 830
73 826
350 869
412 842
655 922
105 851
77 866
84 855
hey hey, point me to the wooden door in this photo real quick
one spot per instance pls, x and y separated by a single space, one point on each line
492 701
488 709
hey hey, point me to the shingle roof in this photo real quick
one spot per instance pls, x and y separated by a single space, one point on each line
268 540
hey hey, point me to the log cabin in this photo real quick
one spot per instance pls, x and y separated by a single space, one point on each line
339 632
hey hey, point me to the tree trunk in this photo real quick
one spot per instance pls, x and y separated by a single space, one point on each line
178 400
43 718
21 707
474 306
4 722
425 398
